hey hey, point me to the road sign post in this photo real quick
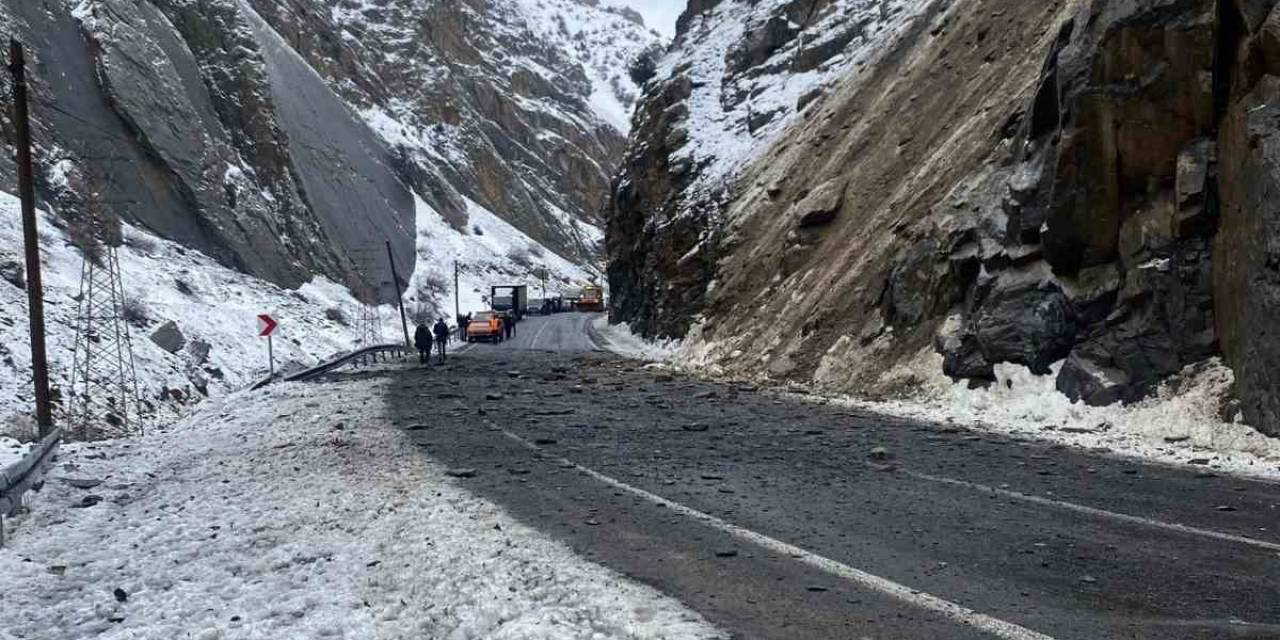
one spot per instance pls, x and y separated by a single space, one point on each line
267 326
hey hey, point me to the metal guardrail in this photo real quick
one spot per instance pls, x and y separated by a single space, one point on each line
337 363
26 474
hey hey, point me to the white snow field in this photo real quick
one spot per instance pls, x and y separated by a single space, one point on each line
287 514
11 451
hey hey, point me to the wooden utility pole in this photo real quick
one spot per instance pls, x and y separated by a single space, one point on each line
457 294
395 286
31 239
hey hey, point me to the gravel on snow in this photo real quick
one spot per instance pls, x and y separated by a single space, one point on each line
285 514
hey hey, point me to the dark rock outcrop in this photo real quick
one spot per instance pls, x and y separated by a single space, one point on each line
169 337
1121 202
13 272
1246 250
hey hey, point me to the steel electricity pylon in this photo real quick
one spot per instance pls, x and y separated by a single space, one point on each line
104 398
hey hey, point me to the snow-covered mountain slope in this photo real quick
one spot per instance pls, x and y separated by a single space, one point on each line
604 40
518 105
216 308
752 67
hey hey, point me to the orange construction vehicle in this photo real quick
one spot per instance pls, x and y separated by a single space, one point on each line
592 298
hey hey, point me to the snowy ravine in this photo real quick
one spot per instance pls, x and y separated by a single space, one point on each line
218 307
280 514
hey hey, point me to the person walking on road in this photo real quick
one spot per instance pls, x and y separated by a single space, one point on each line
422 340
508 328
463 322
442 337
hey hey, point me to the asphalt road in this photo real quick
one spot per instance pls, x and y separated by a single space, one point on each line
778 518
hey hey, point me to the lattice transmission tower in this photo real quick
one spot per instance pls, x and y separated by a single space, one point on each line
104 381
370 325
373 319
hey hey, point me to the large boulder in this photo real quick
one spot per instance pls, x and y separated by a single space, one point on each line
1028 322
169 337
821 206
12 271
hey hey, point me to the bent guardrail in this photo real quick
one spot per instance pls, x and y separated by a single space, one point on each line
26 474
336 363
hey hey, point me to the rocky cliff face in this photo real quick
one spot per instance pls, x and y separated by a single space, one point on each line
519 105
739 74
289 138
1082 188
169 113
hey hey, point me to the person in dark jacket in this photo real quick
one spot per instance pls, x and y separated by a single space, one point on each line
508 327
463 321
442 337
422 340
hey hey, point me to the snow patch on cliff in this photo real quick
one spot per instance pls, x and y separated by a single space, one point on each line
726 131
601 38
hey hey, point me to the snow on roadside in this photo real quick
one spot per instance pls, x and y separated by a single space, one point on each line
281 514
1180 425
11 451
619 339
209 303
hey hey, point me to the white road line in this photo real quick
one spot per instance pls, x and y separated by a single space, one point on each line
1100 513
534 344
914 597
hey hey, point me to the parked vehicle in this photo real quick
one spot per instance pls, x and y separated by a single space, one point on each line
536 306
486 326
591 298
514 302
